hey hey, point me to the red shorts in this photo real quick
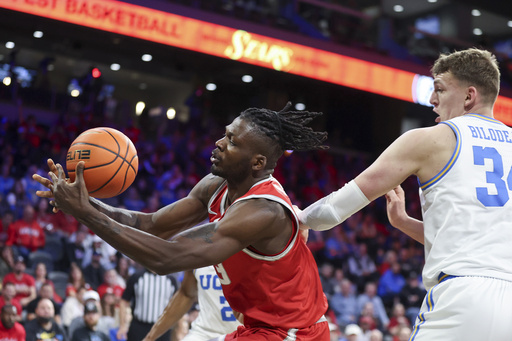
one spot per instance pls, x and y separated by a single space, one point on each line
317 332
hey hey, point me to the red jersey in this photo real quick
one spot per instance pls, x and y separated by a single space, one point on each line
26 234
280 291
22 285
117 290
14 302
16 333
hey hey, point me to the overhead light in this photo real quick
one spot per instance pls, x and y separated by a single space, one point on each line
509 24
246 78
300 106
171 113
7 81
398 8
432 1
139 108
74 93
477 31
38 34
115 67
147 57
476 13
211 86
9 45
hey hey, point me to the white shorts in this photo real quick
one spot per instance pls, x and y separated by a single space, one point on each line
466 308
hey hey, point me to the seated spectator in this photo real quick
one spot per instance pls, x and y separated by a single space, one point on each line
46 291
41 278
370 295
404 334
94 272
76 280
344 304
376 335
352 333
110 285
110 309
26 235
74 248
8 298
361 268
390 285
10 329
72 307
44 325
326 272
397 321
90 331
411 296
103 324
23 282
108 254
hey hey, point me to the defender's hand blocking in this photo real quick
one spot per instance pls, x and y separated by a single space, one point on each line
70 198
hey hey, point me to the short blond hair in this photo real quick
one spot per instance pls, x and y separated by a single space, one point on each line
473 67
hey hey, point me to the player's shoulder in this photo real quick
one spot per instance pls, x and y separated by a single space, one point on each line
208 186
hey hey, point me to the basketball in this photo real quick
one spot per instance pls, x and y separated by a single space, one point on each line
111 161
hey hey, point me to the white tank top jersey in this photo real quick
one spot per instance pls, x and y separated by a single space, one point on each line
215 317
467 207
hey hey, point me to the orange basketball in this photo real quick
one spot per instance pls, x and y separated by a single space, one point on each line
111 161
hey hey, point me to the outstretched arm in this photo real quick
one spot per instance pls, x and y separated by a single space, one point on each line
397 215
178 306
196 247
184 212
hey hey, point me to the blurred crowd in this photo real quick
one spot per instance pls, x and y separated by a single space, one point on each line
370 271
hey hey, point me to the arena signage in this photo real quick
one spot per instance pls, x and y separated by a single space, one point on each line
221 41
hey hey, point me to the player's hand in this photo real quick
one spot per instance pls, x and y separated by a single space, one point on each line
70 198
395 206
46 182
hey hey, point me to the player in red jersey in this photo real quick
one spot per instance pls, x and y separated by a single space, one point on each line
267 272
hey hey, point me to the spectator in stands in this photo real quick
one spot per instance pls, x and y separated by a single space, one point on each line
46 291
124 270
45 217
103 323
376 335
352 333
411 296
8 297
6 259
44 327
344 304
89 331
361 268
41 278
6 180
404 334
26 235
110 285
390 285
76 280
94 272
23 282
397 321
326 272
72 307
370 295
99 247
74 248
10 329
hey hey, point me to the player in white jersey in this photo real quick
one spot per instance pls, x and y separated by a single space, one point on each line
464 167
215 316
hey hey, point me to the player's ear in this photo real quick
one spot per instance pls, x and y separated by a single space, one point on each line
471 94
259 162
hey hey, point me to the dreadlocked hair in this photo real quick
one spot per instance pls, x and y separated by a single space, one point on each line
287 128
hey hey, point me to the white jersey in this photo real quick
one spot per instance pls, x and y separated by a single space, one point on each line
467 207
215 317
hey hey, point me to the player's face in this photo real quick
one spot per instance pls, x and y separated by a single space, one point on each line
448 97
232 157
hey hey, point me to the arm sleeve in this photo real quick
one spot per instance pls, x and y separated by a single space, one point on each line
334 208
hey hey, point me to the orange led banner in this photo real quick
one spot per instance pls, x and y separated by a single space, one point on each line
221 41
